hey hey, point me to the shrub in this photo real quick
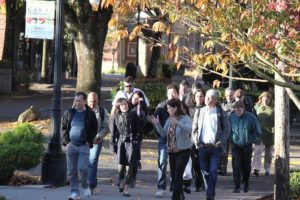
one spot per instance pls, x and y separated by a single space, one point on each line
7 153
114 90
28 155
155 92
295 184
20 148
23 132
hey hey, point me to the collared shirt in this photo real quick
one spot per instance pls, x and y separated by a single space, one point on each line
209 129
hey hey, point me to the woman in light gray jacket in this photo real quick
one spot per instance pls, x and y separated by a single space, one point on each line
177 128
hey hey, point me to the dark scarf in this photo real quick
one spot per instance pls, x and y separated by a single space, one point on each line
124 124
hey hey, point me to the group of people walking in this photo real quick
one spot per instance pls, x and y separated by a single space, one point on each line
195 132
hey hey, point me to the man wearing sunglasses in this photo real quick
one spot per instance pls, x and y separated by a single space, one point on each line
126 93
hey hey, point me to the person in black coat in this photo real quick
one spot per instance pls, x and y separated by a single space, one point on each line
125 142
138 105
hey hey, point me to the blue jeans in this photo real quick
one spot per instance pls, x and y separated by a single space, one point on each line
93 164
162 162
209 159
77 161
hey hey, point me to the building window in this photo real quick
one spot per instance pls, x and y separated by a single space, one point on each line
131 49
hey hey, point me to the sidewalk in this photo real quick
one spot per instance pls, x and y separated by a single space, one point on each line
259 188
146 182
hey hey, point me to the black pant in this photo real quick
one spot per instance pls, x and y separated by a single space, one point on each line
178 162
125 173
241 163
196 167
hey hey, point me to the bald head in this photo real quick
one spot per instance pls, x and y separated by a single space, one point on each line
92 99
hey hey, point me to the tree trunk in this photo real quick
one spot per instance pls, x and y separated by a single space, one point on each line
143 66
89 59
90 34
156 50
282 127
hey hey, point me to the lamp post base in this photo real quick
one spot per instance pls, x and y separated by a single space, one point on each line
54 168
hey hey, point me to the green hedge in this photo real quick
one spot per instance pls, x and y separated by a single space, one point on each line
7 167
20 148
295 184
156 92
23 132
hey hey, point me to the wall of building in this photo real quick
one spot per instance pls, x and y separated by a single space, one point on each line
2 26
5 67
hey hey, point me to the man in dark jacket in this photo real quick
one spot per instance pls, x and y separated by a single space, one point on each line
78 129
102 131
227 106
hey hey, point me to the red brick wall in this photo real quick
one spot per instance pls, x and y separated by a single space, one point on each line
2 26
2 33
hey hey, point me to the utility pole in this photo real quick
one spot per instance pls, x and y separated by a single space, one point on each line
54 168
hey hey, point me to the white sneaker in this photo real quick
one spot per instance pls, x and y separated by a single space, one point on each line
74 196
87 192
160 193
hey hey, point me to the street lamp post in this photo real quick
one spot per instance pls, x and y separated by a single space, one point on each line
137 38
54 162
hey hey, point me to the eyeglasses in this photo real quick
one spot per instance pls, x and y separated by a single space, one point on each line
128 85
